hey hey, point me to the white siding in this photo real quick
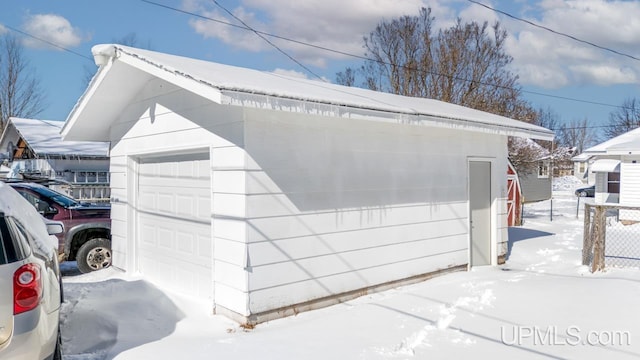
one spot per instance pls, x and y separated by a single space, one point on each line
164 119
630 182
335 205
304 208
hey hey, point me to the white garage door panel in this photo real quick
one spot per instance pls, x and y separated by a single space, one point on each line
175 246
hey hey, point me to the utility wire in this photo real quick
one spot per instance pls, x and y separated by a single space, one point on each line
554 31
268 41
47 42
264 34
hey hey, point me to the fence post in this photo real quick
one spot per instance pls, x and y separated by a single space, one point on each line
587 236
598 246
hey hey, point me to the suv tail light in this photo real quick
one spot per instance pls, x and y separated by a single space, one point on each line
27 288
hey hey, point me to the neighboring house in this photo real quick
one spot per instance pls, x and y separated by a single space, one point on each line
270 194
617 169
36 151
562 162
581 166
535 186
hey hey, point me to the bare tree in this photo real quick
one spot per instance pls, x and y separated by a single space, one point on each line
20 91
465 64
577 134
346 78
625 119
524 155
547 118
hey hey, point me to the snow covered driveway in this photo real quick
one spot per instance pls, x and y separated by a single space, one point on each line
541 303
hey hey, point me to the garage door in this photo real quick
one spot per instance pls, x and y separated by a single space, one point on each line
174 247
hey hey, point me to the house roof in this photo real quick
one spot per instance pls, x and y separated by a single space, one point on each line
105 97
43 137
625 144
582 157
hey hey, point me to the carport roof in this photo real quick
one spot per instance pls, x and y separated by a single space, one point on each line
106 96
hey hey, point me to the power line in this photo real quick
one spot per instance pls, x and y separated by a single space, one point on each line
555 31
263 34
268 41
47 42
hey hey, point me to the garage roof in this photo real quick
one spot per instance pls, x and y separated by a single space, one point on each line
106 96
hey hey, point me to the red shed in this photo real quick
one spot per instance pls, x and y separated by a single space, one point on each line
514 197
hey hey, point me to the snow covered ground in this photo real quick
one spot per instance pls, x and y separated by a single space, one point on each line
541 303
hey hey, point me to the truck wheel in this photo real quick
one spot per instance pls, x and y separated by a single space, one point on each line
94 255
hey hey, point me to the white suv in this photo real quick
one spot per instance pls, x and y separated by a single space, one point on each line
30 283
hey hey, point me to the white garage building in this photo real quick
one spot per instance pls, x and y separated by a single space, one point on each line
271 194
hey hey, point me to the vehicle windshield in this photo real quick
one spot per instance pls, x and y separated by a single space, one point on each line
60 199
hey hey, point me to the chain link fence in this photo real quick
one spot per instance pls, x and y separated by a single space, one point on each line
611 236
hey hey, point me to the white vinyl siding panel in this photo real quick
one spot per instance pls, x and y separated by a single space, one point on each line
333 208
630 184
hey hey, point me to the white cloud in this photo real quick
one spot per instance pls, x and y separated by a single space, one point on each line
603 74
333 24
52 28
3 29
549 60
541 58
290 73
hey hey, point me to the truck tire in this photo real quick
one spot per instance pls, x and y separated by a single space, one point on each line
94 255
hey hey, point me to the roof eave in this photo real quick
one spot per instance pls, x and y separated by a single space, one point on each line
67 128
106 56
309 107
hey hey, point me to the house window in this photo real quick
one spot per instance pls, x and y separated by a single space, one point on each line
613 183
543 169
582 168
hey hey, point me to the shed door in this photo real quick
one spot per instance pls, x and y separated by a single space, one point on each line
174 247
480 212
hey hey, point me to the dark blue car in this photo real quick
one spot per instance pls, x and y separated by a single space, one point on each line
589 191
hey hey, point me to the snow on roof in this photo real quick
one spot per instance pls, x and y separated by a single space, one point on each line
629 141
531 146
606 165
43 137
582 157
232 85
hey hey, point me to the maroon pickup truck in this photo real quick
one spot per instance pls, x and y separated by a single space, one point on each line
87 227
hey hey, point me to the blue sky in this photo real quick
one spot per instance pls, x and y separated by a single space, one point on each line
546 63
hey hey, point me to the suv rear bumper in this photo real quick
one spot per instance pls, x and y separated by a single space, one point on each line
35 336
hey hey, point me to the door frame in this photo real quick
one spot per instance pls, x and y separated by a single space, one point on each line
493 209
